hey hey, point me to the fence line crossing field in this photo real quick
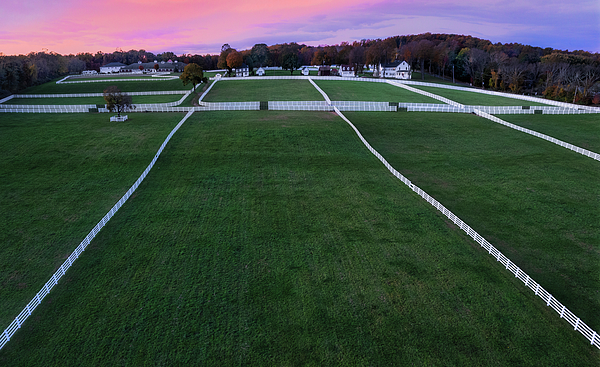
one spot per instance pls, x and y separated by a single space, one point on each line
59 175
535 201
580 130
477 99
263 90
365 91
275 238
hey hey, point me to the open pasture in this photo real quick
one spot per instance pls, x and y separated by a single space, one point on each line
477 99
370 91
267 238
535 201
98 87
263 90
580 130
59 175
92 100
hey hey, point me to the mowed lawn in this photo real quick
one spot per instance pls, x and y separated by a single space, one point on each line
263 90
59 175
265 238
370 91
580 130
155 84
535 201
91 100
477 99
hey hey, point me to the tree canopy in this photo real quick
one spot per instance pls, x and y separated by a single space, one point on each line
117 101
192 73
290 61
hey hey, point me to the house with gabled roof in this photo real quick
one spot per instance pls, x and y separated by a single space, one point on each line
242 71
396 70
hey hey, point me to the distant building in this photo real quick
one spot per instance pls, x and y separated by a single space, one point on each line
242 71
347 71
260 72
148 67
396 70
113 67
89 72
334 72
324 70
305 71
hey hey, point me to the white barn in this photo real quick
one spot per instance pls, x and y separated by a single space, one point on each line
347 71
113 67
260 71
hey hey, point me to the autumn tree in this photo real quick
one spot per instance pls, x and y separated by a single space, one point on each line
357 58
222 63
234 60
193 73
117 100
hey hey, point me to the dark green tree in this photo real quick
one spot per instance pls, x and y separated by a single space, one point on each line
290 61
192 73
117 100
260 54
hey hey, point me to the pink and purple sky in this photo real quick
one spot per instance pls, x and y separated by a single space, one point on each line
197 27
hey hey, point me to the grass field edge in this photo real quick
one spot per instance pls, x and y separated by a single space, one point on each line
551 301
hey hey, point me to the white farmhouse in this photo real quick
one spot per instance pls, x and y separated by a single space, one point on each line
260 71
113 67
243 70
397 70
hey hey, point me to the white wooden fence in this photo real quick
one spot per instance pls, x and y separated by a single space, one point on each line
37 300
563 144
563 312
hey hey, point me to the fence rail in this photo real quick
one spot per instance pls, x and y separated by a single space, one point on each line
563 312
563 144
76 95
37 300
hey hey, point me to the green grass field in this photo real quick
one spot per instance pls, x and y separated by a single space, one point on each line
370 91
59 175
263 90
477 99
92 100
535 201
580 130
132 86
265 238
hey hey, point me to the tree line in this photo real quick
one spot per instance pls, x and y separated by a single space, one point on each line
570 76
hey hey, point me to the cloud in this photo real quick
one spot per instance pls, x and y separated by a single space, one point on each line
69 26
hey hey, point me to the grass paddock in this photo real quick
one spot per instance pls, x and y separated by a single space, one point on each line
267 238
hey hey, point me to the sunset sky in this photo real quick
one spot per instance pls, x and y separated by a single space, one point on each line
184 26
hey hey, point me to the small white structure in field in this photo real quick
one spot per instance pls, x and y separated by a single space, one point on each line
260 71
113 67
305 71
347 71
118 118
89 72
